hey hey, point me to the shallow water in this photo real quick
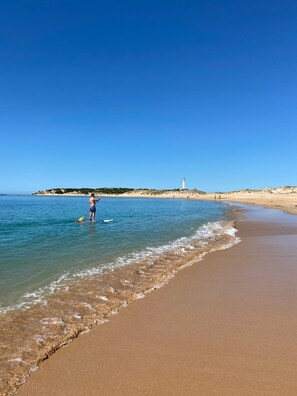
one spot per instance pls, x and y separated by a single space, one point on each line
60 278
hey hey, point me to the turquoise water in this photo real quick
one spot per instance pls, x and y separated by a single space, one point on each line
40 241
59 278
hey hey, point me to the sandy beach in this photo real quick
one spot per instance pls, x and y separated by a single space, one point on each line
278 198
283 201
224 326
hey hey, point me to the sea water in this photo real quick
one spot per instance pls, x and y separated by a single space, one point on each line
59 277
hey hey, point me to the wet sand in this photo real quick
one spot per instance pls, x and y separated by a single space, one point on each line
225 326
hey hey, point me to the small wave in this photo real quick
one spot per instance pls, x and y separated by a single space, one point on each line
205 234
74 304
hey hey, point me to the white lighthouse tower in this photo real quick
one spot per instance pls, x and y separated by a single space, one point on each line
184 184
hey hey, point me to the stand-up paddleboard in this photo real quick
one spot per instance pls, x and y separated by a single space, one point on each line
96 221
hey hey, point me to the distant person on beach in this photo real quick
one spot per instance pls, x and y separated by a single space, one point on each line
92 203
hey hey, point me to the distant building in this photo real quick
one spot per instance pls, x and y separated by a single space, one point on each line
184 184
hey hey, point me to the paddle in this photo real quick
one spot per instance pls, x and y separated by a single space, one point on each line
82 217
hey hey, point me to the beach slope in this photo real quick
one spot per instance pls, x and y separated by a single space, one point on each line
225 326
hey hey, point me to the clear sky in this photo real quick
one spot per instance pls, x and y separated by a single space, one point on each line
141 93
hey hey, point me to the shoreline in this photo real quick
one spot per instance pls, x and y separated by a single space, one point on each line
224 324
46 319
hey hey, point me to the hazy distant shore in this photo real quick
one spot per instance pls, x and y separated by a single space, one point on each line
284 198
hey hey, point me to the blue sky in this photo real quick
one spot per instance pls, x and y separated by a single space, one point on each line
143 93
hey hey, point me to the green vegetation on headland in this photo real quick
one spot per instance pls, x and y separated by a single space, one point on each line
109 191
85 191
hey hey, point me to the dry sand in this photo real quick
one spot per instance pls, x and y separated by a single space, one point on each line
286 202
225 326
277 200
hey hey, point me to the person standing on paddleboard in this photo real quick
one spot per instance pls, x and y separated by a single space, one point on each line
92 203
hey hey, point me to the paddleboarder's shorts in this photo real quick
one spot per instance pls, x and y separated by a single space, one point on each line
93 209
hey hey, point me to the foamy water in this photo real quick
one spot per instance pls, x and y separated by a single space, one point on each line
64 277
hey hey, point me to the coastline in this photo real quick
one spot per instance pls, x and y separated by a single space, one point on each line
104 278
225 325
283 201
